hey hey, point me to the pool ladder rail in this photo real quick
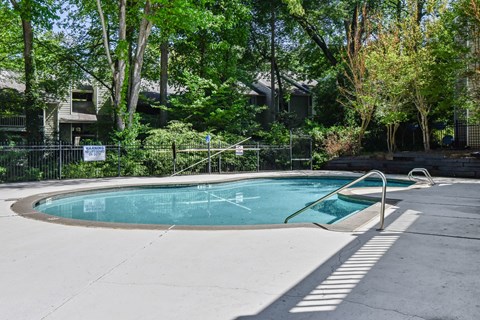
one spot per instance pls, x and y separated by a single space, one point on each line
370 173
421 170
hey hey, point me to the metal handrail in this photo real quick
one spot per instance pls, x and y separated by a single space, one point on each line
372 172
213 155
424 171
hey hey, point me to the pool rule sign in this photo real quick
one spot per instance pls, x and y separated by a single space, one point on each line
94 153
239 150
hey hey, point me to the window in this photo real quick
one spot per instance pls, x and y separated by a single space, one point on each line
82 102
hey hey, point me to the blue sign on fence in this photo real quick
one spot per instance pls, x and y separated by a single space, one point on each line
207 138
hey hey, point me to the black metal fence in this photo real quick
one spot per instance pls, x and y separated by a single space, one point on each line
466 135
65 161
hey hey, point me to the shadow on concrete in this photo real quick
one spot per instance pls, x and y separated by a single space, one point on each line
320 294
412 270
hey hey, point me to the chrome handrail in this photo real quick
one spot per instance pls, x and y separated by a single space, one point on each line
372 172
424 171
213 155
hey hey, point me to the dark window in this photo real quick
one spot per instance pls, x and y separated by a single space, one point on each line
82 102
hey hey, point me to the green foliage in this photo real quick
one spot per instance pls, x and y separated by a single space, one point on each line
20 164
277 135
175 131
217 44
215 107
159 154
11 102
92 169
332 142
435 61
160 160
131 133
10 39
328 111
3 172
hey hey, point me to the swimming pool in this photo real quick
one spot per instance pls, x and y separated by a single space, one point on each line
247 202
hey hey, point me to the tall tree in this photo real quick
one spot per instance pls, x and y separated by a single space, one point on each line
360 92
388 64
125 33
40 13
434 55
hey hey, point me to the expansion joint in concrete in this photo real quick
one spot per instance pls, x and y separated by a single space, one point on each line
162 234
410 316
437 235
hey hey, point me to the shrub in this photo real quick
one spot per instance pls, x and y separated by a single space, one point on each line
333 142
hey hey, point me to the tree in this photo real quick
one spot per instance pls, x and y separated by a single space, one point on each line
207 67
388 65
467 21
300 15
124 35
360 92
30 13
434 57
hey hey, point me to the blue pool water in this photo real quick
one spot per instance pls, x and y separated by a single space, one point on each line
248 202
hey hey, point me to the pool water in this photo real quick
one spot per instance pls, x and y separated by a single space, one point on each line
248 202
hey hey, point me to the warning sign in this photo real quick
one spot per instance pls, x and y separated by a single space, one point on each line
239 150
94 153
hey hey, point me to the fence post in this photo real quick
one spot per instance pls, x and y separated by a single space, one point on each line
119 153
291 151
311 154
219 163
60 154
209 159
258 157
174 154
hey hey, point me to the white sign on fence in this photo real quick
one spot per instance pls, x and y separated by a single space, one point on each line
239 150
94 153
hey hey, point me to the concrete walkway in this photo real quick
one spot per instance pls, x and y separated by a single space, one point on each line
424 265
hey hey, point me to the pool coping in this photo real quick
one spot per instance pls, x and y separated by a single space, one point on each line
25 207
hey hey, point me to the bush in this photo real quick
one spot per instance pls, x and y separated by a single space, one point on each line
332 142
3 172
158 153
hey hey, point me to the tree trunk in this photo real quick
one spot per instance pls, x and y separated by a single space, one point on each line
136 68
119 75
281 100
391 133
317 38
118 68
33 111
423 109
425 131
202 51
419 13
351 31
164 81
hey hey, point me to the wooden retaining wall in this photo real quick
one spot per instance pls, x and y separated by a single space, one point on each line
402 163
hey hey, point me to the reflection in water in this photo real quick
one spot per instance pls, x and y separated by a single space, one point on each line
265 201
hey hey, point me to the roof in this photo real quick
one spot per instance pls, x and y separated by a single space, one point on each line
154 86
11 80
291 83
78 118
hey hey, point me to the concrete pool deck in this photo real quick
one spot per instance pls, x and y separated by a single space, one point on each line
424 265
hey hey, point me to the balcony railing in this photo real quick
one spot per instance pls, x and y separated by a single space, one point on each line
12 122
